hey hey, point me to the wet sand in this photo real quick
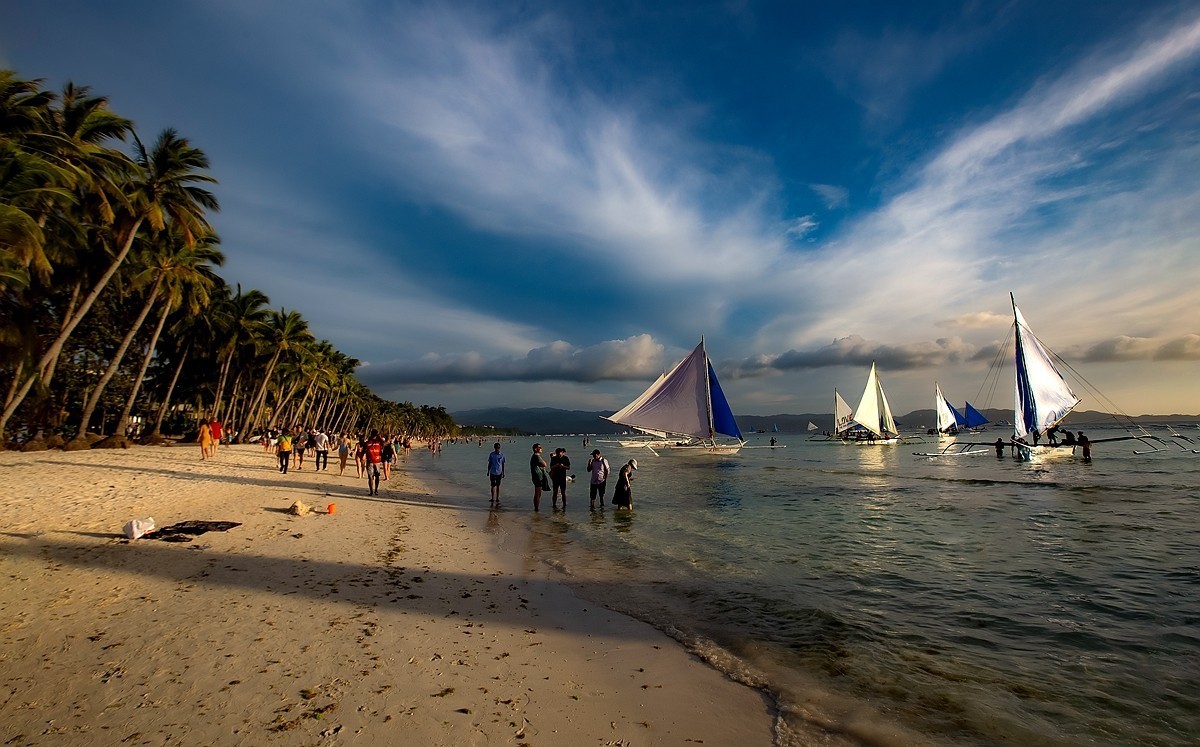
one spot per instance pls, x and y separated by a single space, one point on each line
395 620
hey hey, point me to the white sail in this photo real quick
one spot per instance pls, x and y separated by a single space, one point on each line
813 426
843 416
685 401
946 417
873 411
1042 395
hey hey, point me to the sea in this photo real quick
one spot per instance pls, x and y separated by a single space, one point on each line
886 598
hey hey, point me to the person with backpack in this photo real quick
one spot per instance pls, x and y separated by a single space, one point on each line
598 468
283 448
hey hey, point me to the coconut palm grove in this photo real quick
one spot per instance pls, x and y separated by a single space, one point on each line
116 321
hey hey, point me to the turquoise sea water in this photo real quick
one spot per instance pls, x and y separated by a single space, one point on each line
893 599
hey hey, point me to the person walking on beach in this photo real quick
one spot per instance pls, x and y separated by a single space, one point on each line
374 461
299 444
343 453
205 439
999 449
321 449
623 494
560 465
598 470
495 472
360 456
537 472
389 456
283 448
215 428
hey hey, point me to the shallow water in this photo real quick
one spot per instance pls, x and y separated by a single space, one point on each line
895 599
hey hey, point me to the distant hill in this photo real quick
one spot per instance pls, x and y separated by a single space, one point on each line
540 420
555 421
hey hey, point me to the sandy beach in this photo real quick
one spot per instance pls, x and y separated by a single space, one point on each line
395 620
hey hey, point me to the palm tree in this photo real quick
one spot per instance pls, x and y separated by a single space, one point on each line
165 189
186 275
287 330
238 320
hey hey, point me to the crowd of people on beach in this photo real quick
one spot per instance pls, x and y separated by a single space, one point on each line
556 473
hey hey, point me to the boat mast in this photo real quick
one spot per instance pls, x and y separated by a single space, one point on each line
707 391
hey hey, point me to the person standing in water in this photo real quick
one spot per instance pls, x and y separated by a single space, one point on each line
598 469
537 472
495 472
560 465
623 494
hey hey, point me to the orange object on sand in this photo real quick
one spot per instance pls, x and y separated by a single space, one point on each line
331 509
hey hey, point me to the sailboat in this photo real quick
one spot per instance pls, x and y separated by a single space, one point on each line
871 422
685 404
949 420
1042 399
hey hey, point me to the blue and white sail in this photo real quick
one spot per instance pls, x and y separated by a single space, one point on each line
949 420
1043 397
686 402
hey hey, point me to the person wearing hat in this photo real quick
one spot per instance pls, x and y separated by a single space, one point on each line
623 495
597 467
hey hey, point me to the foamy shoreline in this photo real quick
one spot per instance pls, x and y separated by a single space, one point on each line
396 620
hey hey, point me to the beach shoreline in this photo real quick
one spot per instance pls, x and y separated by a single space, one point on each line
397 619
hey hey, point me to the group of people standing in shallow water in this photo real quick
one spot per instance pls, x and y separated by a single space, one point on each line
555 474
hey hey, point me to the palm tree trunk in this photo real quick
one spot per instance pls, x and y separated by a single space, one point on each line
166 403
115 363
123 421
56 347
225 366
254 411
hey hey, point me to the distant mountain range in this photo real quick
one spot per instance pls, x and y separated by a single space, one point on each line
553 420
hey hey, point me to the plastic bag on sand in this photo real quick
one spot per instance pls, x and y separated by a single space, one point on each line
299 508
139 527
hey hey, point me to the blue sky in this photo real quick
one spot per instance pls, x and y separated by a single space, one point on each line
548 203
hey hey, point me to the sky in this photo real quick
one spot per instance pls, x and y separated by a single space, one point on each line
535 204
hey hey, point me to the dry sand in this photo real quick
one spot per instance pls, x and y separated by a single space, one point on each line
395 620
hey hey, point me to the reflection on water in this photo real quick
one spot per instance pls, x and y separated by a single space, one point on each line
969 601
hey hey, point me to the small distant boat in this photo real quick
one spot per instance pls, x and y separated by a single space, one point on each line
812 426
871 422
685 404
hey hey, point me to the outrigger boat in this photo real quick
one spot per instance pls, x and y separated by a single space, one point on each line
1043 399
951 422
686 405
871 422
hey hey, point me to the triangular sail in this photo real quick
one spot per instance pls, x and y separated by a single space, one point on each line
1042 395
843 416
679 402
974 417
812 426
947 417
873 412
722 416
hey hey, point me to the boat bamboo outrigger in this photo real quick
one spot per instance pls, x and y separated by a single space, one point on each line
687 405
871 422
1043 398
